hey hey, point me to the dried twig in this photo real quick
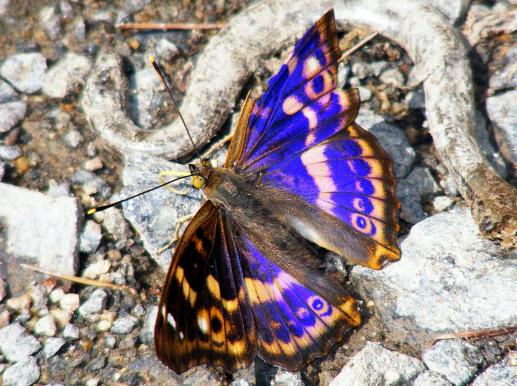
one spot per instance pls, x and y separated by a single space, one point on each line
476 334
81 280
169 26
265 27
354 48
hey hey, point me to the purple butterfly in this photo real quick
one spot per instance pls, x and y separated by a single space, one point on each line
244 280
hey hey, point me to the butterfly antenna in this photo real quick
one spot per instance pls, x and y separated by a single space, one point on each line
104 207
161 74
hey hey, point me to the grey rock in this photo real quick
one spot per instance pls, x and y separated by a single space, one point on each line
71 332
4 6
117 227
45 326
10 114
502 113
72 138
506 76
430 378
124 324
16 344
95 303
342 75
79 28
166 50
458 361
91 237
92 183
25 71
66 76
286 378
56 189
453 9
393 77
374 365
500 374
7 93
147 331
67 11
379 66
9 153
146 97
154 215
412 189
42 229
415 99
2 170
97 363
50 22
448 276
364 93
392 139
23 373
362 69
110 341
52 346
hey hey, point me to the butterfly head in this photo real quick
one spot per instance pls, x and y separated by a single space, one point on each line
200 173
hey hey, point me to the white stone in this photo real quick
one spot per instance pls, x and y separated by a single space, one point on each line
24 373
16 344
66 76
45 326
374 365
25 71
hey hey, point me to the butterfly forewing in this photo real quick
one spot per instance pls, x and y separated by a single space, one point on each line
204 316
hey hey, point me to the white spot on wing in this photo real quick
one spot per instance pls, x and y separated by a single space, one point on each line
203 324
171 320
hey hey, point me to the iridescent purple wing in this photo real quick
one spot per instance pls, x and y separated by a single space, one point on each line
301 106
300 138
299 314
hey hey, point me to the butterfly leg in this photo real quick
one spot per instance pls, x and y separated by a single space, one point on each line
174 173
182 220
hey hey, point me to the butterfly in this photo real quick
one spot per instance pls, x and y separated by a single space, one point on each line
244 279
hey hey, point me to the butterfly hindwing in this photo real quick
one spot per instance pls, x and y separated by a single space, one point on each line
350 177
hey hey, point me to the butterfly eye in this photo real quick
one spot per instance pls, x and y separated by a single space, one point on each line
198 182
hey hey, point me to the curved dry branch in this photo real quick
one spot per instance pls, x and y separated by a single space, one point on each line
229 58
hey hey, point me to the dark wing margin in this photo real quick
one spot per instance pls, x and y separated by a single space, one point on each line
204 315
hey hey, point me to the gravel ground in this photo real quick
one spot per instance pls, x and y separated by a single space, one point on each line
53 165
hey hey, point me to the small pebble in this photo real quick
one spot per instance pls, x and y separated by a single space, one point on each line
110 341
441 203
4 318
66 76
24 373
69 302
62 317
124 325
39 296
25 71
51 22
71 332
9 153
7 93
72 138
56 295
103 325
16 344
92 382
91 183
95 303
22 165
93 164
46 326
52 346
393 77
116 225
91 237
20 303
166 50
97 269
10 114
